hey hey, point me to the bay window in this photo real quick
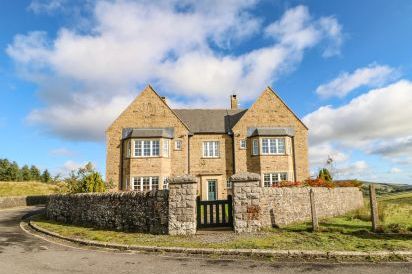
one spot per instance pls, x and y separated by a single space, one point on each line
145 183
270 179
146 148
272 146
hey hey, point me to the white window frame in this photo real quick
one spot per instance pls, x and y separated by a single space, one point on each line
138 182
229 184
128 148
274 177
255 147
166 147
243 144
271 146
178 145
211 149
165 183
142 143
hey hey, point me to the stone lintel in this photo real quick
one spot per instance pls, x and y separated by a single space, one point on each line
183 179
245 177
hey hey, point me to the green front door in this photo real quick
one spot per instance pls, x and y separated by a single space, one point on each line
211 190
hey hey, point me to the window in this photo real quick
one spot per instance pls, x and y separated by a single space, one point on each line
273 146
128 152
145 183
255 150
228 184
165 183
243 144
178 144
146 148
166 148
211 149
270 179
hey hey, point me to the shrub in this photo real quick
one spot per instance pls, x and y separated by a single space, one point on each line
288 184
324 174
318 183
348 183
85 179
396 228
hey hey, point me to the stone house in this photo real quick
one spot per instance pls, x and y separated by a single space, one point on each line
150 142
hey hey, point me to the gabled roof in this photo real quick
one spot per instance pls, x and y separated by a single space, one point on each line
209 120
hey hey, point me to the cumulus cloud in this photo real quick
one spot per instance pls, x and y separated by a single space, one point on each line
374 123
87 77
371 76
46 6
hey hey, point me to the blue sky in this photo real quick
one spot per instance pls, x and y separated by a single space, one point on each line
67 69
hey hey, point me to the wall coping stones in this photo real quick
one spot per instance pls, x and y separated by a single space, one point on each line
245 177
183 179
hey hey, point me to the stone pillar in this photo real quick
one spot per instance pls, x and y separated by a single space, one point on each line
247 193
182 205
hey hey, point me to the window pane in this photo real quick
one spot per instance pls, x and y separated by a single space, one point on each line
146 148
166 148
283 176
272 146
155 148
216 149
155 183
281 145
165 183
137 148
146 183
242 144
211 149
255 147
136 183
266 180
265 146
205 149
178 145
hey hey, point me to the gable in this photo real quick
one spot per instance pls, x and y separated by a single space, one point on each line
269 109
145 109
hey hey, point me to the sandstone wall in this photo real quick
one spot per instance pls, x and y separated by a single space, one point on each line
126 211
16 201
255 207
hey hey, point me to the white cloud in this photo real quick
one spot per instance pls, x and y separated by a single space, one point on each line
86 78
378 115
46 6
371 76
395 170
376 123
319 154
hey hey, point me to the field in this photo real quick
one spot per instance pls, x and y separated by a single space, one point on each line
350 232
27 188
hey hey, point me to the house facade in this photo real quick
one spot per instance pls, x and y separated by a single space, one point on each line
150 142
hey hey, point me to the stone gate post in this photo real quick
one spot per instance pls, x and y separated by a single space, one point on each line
247 194
182 205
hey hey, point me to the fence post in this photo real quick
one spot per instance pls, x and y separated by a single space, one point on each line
315 223
374 208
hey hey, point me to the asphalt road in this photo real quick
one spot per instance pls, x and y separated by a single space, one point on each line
23 253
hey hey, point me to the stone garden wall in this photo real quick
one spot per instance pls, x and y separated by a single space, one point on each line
16 201
256 207
125 211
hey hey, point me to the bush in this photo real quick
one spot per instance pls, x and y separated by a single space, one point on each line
396 228
85 179
324 174
318 183
348 183
288 184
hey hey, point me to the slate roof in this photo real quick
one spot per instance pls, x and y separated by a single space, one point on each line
271 131
148 133
210 120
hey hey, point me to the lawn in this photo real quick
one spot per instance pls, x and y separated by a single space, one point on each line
26 188
346 233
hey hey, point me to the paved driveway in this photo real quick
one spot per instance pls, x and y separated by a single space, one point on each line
24 253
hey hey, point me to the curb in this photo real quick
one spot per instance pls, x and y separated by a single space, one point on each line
353 255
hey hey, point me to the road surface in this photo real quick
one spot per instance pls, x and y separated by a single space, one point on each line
23 253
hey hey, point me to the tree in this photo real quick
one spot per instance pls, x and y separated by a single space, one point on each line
14 172
85 179
45 176
25 173
324 174
4 168
35 173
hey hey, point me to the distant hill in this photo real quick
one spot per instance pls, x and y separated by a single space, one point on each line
384 188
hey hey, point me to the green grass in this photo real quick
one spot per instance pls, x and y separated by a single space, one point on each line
350 233
26 188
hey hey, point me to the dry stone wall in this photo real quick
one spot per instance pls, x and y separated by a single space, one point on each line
125 211
256 207
16 201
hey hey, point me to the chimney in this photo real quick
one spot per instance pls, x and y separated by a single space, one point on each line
233 101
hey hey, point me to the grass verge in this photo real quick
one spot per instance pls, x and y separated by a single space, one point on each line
26 188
